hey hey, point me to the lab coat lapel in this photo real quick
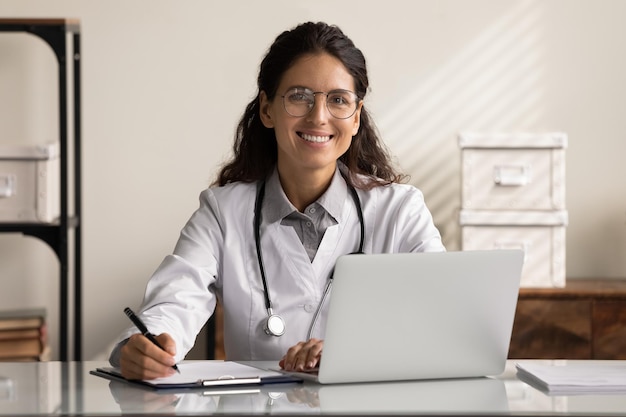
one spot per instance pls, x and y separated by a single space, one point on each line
335 243
324 260
292 255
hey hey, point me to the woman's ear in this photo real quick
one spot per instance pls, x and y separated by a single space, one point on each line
357 119
265 110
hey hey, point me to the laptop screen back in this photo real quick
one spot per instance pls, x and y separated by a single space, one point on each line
420 315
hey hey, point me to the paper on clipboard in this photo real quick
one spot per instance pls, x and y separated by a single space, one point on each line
203 374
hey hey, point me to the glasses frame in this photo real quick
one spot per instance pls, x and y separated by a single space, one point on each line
315 93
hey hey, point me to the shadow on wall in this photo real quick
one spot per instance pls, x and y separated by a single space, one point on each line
495 83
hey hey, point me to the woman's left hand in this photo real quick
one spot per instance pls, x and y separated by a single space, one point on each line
303 357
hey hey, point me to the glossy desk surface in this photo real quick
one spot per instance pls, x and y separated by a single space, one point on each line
57 388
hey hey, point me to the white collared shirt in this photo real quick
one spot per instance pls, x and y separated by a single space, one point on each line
215 256
311 224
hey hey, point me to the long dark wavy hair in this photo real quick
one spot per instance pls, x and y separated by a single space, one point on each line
255 149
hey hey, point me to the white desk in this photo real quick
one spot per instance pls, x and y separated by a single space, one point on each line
57 388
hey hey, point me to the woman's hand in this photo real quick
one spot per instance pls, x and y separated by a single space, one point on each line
304 356
142 359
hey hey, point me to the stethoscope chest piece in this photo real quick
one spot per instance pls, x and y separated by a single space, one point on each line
274 325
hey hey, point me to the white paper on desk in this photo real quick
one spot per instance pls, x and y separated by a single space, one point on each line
575 377
195 371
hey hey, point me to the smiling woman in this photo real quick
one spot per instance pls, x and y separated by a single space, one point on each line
310 180
311 142
291 64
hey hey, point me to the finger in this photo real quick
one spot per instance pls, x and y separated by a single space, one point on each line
308 356
287 362
141 359
163 354
133 367
301 357
314 353
167 343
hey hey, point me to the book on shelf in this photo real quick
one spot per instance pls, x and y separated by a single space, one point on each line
26 318
23 335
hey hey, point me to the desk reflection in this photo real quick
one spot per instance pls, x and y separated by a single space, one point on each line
56 388
479 395
135 400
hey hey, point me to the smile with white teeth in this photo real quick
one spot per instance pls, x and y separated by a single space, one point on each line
316 139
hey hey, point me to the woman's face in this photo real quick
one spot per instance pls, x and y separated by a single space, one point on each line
311 144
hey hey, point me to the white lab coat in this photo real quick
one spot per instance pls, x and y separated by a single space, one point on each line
216 256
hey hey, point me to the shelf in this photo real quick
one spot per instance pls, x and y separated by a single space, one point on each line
48 232
66 48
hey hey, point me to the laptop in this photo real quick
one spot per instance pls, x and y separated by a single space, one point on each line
411 316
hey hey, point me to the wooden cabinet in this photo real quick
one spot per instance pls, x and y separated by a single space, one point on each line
584 320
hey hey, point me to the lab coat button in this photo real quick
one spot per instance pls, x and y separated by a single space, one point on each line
309 308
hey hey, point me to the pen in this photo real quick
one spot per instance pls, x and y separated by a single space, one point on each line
144 330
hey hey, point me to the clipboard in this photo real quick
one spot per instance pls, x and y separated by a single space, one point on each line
206 375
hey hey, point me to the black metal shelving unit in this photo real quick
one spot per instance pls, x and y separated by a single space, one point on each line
63 36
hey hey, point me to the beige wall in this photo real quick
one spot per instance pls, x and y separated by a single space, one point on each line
164 83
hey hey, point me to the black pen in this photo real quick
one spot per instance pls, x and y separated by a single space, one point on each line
144 330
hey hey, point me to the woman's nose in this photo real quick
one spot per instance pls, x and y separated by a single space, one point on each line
319 112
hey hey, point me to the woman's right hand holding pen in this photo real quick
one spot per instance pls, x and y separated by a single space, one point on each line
142 359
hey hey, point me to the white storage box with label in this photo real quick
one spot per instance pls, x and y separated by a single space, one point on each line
513 196
29 183
513 172
541 235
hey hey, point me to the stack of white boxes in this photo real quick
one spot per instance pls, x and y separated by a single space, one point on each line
513 196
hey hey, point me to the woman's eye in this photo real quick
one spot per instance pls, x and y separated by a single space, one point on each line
299 97
337 100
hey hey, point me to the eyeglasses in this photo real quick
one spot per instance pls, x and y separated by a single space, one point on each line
341 104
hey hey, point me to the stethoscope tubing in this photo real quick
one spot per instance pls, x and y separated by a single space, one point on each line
257 239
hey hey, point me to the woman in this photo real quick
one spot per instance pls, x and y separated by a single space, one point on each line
309 181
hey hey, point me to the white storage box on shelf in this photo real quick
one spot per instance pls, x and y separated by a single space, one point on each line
29 183
513 196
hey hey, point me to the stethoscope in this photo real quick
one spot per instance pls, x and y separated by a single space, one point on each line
275 325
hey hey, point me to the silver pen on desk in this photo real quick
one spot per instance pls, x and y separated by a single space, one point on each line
144 330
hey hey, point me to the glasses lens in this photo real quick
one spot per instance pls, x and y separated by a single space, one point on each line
298 101
341 103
